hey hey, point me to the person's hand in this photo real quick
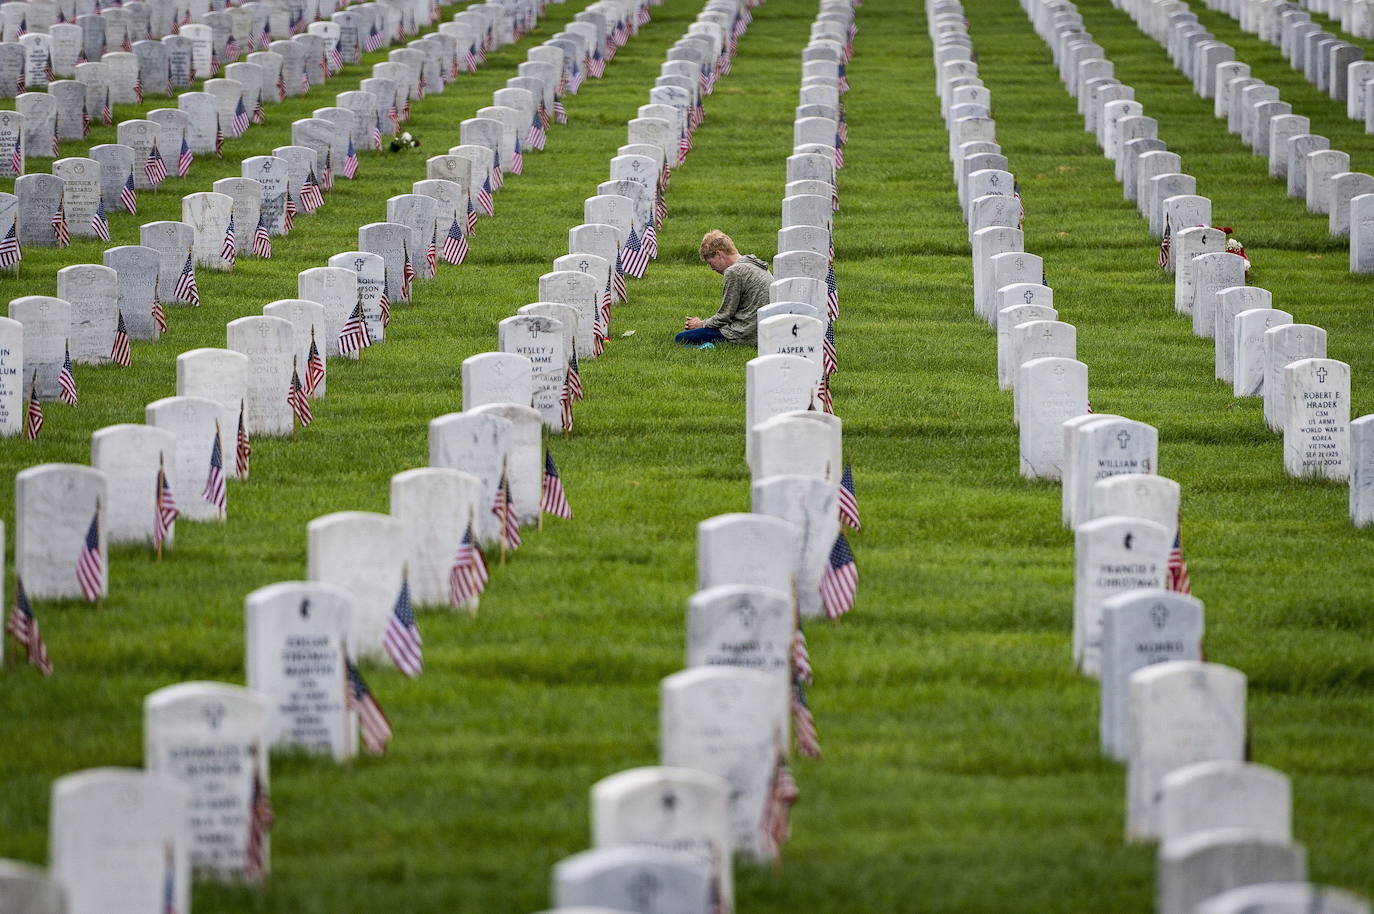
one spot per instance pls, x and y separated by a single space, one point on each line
693 323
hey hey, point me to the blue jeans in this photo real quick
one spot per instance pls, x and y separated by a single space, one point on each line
699 336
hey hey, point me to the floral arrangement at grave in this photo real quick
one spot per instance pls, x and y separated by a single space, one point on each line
1234 246
404 141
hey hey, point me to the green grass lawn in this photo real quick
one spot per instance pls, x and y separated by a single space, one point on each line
960 770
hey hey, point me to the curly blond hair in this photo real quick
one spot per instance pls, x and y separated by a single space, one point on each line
716 242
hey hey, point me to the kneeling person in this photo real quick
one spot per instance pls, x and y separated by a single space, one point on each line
746 291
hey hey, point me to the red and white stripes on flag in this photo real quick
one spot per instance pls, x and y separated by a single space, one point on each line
66 381
504 509
808 738
402 638
314 367
23 627
353 336
90 563
165 513
260 821
849 502
262 240
1179 581
553 500
455 245
243 449
840 581
467 577
298 401
215 492
127 198
776 825
373 724
33 411
186 289
121 353
229 248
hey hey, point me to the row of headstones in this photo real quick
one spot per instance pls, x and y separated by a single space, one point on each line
724 783
1258 349
135 275
1312 170
1222 822
165 61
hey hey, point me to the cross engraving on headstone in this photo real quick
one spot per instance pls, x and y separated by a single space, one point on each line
305 609
1049 333
1028 295
213 714
1123 438
1321 375
1159 615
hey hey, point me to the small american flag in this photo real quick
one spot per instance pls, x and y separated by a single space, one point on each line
455 245
219 140
305 82
650 239
839 151
618 283
1179 581
66 382
353 336
155 312
290 210
407 273
384 304
10 254
33 411
311 198
828 363
229 249
90 565
231 49
684 146
504 510
154 168
542 114
402 638
553 500
471 218
85 120
127 198
1164 245
565 402
262 240
300 404
243 450
260 820
808 739
215 492
598 66
823 395
849 502
239 123
534 138
377 133
23 627
259 115
776 824
350 165
432 252
327 176
467 578
335 58
372 721
470 58
517 162
214 63
497 179
186 289
314 367
484 199
395 117
660 208
99 223
17 156
840 581
184 158
560 113
801 656
832 295
574 376
120 352
165 509
281 85
635 259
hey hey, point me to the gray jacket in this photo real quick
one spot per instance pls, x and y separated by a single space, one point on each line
746 291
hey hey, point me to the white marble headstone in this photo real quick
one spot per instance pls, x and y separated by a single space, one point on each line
54 505
363 554
434 506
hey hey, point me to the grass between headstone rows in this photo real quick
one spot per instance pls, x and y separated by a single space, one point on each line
960 771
